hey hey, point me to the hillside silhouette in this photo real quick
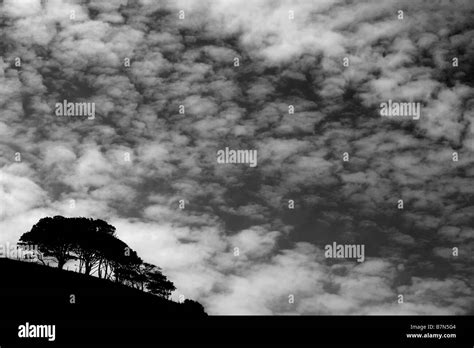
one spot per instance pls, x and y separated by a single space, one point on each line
35 291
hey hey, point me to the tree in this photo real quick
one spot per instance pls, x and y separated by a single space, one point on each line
194 306
90 239
121 260
53 237
69 239
157 283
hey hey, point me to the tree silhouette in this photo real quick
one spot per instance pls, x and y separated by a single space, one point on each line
91 238
157 283
94 244
52 236
193 305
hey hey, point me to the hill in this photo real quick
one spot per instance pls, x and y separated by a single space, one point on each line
32 291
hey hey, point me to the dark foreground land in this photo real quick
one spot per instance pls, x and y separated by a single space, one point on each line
30 291
107 314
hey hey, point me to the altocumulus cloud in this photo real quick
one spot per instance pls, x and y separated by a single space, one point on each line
140 156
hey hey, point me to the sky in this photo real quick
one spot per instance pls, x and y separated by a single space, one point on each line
237 247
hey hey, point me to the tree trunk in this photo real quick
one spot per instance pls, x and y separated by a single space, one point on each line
80 265
88 268
61 264
99 269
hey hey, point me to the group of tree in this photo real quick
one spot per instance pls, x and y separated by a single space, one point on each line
97 250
